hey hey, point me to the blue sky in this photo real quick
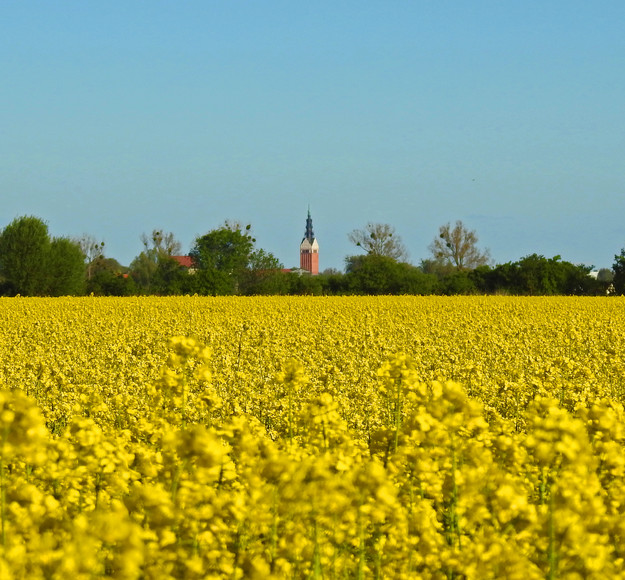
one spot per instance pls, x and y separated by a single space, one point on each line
119 117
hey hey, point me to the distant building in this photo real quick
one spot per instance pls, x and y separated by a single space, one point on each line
309 250
185 262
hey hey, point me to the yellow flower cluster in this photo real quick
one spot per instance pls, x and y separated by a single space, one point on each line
378 437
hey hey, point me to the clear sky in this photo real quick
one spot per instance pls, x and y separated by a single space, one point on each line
121 116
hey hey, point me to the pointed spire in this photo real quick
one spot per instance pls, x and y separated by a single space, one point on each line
309 234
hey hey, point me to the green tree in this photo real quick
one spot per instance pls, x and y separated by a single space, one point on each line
333 282
66 274
32 264
458 282
303 284
619 272
536 275
143 270
93 251
110 278
373 274
264 275
539 275
457 248
24 256
226 260
414 281
379 240
436 268
154 270
482 279
577 280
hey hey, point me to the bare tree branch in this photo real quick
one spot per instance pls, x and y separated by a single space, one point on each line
457 247
379 240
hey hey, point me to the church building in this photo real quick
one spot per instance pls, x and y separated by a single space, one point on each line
309 249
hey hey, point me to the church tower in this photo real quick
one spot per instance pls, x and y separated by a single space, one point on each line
309 249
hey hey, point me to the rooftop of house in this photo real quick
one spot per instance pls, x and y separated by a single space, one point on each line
184 261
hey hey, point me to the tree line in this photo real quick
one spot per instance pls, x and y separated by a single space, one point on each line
226 261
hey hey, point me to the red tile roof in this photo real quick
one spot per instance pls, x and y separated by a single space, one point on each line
184 261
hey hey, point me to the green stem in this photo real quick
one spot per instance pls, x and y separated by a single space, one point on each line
452 531
542 487
552 554
98 486
3 501
240 347
290 387
184 402
176 481
316 555
3 498
274 530
454 495
397 414
361 560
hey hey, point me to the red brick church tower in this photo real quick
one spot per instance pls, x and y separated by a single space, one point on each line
309 249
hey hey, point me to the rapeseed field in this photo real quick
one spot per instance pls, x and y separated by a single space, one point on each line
294 437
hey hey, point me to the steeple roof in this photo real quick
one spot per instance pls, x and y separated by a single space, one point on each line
309 234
